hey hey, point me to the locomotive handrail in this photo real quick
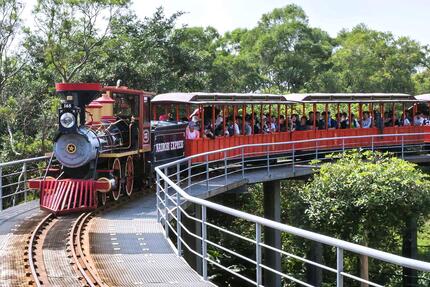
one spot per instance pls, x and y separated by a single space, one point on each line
171 207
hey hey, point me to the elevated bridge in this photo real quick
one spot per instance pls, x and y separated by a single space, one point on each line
144 242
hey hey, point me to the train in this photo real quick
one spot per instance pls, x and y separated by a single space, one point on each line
105 141
110 138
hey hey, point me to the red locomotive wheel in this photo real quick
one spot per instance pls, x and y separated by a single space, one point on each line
129 175
116 167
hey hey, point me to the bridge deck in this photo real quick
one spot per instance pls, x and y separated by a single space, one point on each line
16 224
128 248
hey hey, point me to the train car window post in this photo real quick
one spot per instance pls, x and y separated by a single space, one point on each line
213 118
360 114
202 119
349 115
286 118
382 113
414 111
223 120
279 119
261 118
326 116
393 118
243 119
314 117
252 119
338 115
177 113
304 110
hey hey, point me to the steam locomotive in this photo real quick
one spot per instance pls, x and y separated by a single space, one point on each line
104 147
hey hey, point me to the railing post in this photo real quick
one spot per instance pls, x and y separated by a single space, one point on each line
207 172
258 256
403 147
225 166
24 171
268 160
339 267
1 188
178 211
294 164
204 244
372 143
178 224
166 212
158 196
243 163
343 145
316 150
189 174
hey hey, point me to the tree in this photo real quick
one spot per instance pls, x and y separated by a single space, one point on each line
366 60
72 31
11 61
367 198
290 52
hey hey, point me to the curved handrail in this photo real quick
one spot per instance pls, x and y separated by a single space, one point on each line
340 244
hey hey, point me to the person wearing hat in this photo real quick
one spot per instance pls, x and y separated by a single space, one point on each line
192 133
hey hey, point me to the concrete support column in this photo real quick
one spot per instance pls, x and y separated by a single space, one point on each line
272 210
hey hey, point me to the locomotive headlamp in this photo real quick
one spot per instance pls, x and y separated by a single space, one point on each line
67 120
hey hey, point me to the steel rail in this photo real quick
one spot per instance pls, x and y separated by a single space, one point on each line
31 250
78 254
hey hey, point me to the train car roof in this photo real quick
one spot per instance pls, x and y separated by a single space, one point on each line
126 90
423 97
219 98
349 97
235 98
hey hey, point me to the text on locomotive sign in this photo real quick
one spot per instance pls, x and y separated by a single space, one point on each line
174 145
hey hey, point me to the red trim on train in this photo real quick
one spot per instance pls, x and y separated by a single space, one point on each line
63 87
62 196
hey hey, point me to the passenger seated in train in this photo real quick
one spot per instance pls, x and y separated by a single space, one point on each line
293 122
331 123
273 124
191 131
419 119
367 120
354 122
302 126
282 124
208 131
405 119
248 128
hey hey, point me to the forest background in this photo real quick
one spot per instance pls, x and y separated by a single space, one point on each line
104 40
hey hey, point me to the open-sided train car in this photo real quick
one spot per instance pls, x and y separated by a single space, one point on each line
388 114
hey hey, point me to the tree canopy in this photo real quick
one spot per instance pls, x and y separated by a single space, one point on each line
103 41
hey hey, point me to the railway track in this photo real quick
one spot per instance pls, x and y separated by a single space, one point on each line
57 253
78 247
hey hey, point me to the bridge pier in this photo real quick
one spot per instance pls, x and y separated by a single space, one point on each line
195 244
272 210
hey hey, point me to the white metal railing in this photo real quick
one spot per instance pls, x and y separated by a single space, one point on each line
176 181
14 176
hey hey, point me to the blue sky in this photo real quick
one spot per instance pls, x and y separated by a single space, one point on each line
403 18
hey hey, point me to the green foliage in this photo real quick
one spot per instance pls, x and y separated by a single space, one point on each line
366 60
365 197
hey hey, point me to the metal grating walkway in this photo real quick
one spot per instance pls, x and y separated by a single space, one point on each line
129 249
